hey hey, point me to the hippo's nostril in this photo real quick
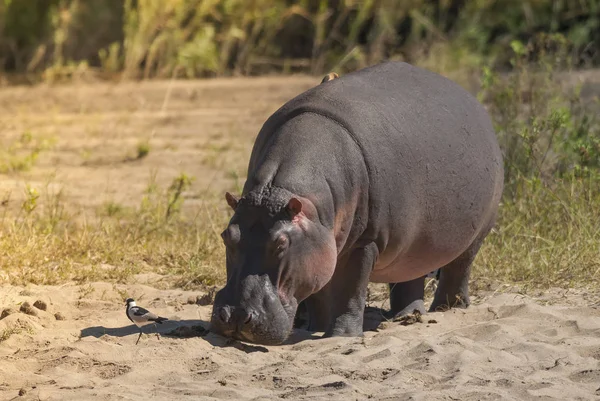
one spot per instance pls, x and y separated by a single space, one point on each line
224 314
248 318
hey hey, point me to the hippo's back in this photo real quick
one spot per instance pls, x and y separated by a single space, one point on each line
434 165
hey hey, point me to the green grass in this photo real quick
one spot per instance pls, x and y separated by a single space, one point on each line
547 232
39 245
143 149
71 39
547 237
7 333
21 154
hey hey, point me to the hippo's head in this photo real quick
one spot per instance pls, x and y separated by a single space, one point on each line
277 254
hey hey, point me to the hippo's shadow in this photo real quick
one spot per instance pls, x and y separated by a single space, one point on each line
373 317
187 329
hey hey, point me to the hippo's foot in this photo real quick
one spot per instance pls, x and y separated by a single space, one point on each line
406 297
459 301
416 305
348 297
349 325
453 287
452 295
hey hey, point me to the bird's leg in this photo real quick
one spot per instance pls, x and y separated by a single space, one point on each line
156 328
140 336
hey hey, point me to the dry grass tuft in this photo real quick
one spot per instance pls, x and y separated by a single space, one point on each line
49 246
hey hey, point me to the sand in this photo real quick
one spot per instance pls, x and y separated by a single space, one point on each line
505 347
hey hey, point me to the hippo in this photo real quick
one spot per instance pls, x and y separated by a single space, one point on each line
383 175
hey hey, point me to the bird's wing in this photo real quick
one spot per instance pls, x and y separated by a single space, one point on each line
145 314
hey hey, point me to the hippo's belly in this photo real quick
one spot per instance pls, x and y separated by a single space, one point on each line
428 235
410 267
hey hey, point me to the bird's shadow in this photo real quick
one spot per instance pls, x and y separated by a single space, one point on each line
163 329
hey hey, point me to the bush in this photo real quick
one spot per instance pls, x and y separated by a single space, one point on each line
193 38
547 232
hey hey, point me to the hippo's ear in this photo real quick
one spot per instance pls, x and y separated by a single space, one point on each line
232 200
294 206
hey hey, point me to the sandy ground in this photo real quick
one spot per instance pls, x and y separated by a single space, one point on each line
507 347
204 129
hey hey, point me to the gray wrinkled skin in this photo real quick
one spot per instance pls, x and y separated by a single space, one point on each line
381 175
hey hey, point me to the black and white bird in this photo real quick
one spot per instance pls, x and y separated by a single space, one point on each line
141 317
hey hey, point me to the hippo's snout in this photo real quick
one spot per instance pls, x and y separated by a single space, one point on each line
257 316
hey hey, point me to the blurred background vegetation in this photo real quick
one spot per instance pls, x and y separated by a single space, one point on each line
519 57
196 38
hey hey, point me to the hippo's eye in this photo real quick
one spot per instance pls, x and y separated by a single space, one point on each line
231 235
281 244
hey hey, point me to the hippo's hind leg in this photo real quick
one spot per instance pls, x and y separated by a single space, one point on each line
453 287
406 297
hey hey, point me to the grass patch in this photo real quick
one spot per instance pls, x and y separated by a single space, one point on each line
192 38
547 232
547 237
9 332
143 149
21 154
113 209
40 245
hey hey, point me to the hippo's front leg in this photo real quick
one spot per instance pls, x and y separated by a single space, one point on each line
349 290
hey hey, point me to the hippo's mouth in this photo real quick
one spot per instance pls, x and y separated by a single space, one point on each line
263 337
274 333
